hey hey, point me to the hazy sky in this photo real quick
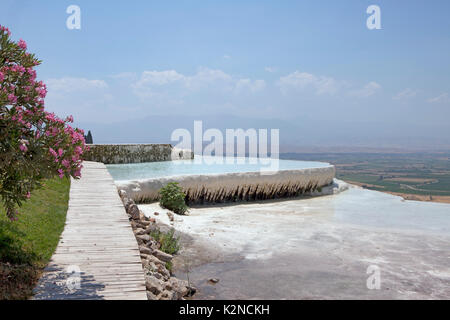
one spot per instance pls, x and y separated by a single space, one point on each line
312 64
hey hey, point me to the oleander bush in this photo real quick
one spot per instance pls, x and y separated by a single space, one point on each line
34 144
172 197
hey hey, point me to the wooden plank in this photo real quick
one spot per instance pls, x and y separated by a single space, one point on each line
98 240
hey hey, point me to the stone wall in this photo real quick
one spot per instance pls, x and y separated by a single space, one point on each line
135 153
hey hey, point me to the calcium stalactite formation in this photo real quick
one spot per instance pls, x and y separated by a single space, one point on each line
229 187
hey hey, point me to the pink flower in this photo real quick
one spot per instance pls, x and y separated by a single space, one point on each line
2 28
12 98
53 152
28 195
22 44
77 173
65 163
2 76
61 173
42 92
60 152
23 147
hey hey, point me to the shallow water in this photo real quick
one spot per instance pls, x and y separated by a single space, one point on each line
376 209
316 248
203 165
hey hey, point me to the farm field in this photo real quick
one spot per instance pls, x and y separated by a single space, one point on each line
414 176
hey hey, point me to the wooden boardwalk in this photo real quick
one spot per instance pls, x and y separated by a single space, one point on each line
97 256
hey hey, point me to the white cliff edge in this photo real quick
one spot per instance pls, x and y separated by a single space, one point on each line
225 187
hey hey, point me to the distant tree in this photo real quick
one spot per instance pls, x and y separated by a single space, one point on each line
88 138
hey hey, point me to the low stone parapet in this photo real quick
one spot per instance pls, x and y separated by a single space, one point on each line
135 153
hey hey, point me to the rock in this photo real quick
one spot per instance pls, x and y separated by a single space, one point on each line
152 220
144 257
139 231
150 267
153 285
137 225
155 260
122 194
163 271
128 203
154 245
145 250
142 216
192 290
144 223
170 215
156 213
151 228
168 285
181 288
133 210
144 238
167 295
162 255
151 296
157 275
213 280
141 225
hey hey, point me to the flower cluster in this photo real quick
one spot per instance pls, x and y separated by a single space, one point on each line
34 144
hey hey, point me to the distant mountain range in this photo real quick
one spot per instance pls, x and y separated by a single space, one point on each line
301 137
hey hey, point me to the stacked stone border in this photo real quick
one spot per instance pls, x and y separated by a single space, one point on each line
159 282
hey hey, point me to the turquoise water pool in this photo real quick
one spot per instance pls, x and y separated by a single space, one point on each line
203 165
